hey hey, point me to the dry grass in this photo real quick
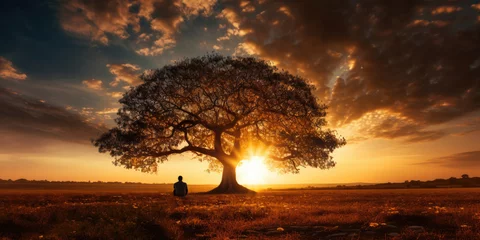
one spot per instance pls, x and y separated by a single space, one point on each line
373 214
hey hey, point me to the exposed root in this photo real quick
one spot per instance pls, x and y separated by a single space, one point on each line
231 189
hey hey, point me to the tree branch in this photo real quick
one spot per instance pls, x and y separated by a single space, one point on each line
282 159
205 151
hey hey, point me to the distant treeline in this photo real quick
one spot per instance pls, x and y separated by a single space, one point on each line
23 180
24 184
453 182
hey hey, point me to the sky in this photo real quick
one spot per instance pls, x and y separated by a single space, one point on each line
401 79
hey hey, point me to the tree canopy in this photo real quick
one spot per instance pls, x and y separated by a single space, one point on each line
224 110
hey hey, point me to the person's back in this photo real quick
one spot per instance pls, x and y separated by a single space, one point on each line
180 188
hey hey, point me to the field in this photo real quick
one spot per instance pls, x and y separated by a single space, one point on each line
294 214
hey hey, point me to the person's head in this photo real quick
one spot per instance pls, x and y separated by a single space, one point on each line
180 178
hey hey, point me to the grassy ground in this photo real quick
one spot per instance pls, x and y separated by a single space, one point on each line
320 214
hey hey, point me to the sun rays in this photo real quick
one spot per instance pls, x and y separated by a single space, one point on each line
252 171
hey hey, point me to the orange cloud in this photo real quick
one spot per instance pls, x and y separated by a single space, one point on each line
128 73
144 37
233 18
94 84
426 23
334 54
246 48
351 64
445 10
153 51
115 94
198 7
7 71
107 111
223 38
286 11
230 16
247 6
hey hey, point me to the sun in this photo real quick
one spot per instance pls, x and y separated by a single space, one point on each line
252 171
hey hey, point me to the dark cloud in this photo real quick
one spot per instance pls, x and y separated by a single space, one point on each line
164 18
458 160
99 21
29 124
96 19
415 58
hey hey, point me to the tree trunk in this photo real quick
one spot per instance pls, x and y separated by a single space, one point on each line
229 182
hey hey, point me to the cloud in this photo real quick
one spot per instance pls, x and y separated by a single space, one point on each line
166 16
144 37
99 21
7 71
231 16
390 125
468 126
28 122
234 19
223 38
124 73
198 7
247 7
366 56
150 51
445 10
107 111
458 160
96 20
94 84
285 10
115 94
412 59
128 73
425 23
246 48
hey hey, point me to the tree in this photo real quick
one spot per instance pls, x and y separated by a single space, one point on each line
465 176
223 110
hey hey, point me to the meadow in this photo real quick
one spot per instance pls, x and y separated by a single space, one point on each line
293 214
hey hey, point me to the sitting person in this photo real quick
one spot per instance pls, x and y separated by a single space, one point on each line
180 188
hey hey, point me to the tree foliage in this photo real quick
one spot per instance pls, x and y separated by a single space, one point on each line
222 109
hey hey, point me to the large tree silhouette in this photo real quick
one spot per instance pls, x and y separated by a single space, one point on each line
222 109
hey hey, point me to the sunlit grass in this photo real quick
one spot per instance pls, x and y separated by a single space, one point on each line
283 214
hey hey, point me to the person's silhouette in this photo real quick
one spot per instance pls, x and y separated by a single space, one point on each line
180 188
